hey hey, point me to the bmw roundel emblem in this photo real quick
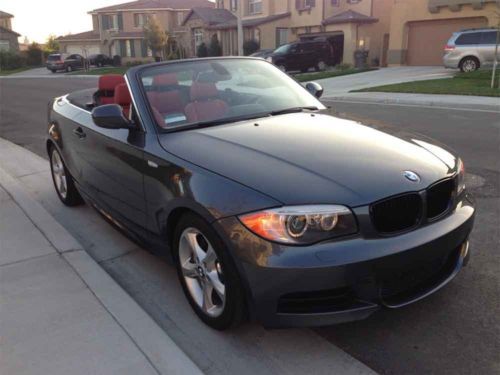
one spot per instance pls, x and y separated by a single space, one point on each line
412 176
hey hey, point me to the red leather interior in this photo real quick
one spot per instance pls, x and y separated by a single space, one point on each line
107 84
122 98
166 102
167 79
205 104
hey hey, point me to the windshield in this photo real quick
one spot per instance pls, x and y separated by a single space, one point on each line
283 49
214 90
54 57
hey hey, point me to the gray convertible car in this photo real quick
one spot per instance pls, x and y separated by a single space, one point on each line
269 208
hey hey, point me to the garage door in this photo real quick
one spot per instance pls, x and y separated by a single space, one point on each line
426 39
90 49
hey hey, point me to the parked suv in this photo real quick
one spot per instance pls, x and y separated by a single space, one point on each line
470 49
302 56
100 60
61 61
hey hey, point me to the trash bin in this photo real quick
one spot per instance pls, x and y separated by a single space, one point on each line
117 60
361 59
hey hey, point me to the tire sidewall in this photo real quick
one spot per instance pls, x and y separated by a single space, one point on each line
73 197
235 303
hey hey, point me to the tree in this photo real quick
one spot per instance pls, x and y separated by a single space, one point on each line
156 37
214 49
202 50
52 44
34 55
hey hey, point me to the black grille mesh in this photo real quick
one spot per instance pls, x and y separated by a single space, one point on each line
397 214
439 198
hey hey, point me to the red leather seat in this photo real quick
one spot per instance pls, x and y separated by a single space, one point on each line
106 89
122 98
166 97
205 104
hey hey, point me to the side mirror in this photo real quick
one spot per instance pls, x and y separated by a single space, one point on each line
315 89
110 116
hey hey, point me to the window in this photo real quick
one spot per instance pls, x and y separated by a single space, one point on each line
233 5
141 19
4 45
468 38
336 3
309 3
254 6
256 35
226 87
281 37
110 22
180 18
198 37
489 37
220 4
128 48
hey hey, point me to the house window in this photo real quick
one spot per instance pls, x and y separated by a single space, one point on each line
336 3
255 6
4 45
256 35
110 22
128 48
141 19
198 37
180 18
220 4
281 37
233 6
309 3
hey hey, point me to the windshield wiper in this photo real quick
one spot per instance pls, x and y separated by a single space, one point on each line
293 110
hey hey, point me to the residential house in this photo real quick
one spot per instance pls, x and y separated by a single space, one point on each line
118 29
8 37
420 28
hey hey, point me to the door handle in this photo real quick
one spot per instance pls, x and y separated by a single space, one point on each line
79 133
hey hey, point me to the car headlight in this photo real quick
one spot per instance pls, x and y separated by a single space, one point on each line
460 177
301 225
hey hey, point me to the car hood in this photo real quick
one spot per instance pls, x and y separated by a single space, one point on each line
307 158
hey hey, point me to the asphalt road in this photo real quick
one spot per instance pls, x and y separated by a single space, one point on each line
454 331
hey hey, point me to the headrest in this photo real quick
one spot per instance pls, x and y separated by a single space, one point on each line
108 82
167 79
203 90
122 95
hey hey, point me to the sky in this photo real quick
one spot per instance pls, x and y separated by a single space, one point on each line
37 19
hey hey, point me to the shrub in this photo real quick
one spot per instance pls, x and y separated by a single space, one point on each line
214 49
250 46
202 50
135 63
174 55
10 60
344 66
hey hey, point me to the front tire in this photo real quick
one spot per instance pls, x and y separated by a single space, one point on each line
469 64
320 66
63 182
69 69
208 277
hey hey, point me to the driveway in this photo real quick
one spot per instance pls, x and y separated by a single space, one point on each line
385 76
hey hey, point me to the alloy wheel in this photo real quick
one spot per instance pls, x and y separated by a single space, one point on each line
469 66
59 174
202 272
321 65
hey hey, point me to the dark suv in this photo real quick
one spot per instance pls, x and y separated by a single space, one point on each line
303 56
61 61
100 60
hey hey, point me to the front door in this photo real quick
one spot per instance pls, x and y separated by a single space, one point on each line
111 162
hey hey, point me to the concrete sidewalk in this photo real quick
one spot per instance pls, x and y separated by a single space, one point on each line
464 102
60 313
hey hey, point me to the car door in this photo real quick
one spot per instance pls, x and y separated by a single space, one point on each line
487 47
111 162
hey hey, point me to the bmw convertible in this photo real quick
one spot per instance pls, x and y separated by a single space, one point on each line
269 208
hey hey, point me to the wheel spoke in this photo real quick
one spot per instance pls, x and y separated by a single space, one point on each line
198 252
208 304
189 269
216 284
210 258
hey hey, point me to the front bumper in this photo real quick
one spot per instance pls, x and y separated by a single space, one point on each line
347 279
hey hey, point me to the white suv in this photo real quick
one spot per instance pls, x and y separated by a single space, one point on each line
471 49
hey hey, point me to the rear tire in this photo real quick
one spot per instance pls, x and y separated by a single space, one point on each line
63 182
207 274
53 70
320 66
469 64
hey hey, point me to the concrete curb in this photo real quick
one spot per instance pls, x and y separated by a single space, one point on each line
156 345
439 101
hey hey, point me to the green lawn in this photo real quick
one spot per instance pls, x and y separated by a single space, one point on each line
101 71
12 71
476 83
306 77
